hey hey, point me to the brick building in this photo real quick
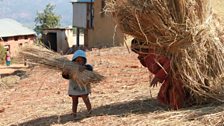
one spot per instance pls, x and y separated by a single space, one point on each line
14 35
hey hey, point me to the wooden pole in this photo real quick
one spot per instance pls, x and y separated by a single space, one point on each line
77 37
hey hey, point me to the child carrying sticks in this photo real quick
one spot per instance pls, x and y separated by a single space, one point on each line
74 90
171 91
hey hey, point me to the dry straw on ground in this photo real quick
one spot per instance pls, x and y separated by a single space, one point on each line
43 56
186 31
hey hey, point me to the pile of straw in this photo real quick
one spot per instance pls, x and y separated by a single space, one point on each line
186 31
43 56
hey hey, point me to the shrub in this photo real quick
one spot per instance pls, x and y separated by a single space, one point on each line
2 54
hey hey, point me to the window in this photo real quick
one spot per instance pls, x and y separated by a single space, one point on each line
26 37
5 39
16 38
90 16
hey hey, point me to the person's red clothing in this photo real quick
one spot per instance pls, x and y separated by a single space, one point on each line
171 91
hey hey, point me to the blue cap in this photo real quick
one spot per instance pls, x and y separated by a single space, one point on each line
79 53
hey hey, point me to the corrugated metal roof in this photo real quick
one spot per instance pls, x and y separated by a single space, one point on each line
10 27
81 1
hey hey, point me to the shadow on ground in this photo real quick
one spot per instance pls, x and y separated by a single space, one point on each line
119 109
20 73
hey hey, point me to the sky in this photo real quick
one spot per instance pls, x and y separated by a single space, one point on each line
25 11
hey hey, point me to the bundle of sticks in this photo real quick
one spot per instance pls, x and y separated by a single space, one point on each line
47 58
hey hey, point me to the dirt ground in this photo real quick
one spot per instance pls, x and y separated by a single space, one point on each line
123 98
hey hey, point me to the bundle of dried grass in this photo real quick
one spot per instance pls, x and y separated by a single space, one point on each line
207 115
186 31
43 56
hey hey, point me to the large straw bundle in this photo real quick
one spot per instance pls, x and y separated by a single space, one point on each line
185 31
43 56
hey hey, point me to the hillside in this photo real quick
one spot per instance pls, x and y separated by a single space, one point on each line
123 98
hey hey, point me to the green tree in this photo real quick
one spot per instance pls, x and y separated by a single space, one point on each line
47 19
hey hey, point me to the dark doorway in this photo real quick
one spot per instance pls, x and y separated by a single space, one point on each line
51 41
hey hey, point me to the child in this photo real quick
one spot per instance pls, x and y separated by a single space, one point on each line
8 58
171 91
74 90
